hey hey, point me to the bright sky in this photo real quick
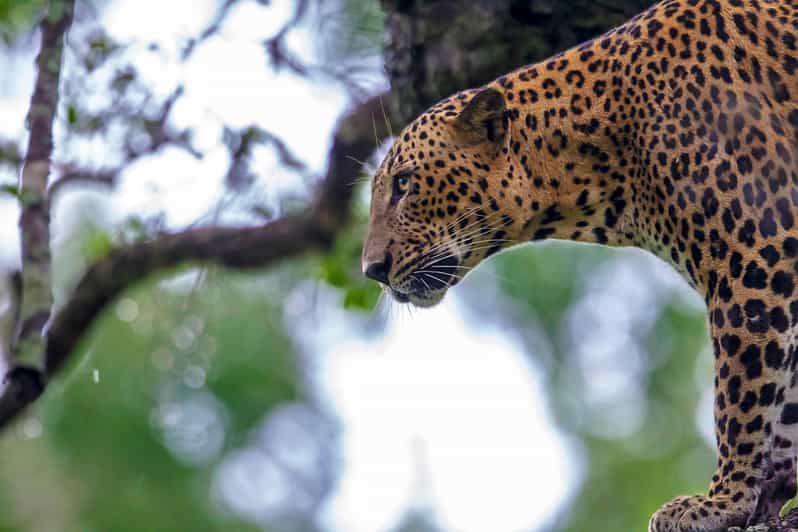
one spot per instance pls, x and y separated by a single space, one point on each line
469 402
432 390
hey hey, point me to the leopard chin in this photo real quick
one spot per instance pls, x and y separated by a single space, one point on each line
419 299
427 300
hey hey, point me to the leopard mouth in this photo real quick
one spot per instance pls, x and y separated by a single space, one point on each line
418 299
426 284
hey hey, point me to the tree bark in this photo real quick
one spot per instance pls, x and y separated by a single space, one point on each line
33 298
34 223
787 524
434 48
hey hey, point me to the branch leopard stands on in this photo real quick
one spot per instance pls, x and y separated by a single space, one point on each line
676 132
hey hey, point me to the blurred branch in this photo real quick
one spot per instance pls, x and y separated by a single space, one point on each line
10 298
34 223
313 229
9 154
106 178
159 134
609 7
33 297
158 130
275 46
211 30
286 156
241 144
280 57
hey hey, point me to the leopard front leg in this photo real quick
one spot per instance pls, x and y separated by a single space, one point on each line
755 417
698 513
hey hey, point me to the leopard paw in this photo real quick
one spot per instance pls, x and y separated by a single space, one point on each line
698 513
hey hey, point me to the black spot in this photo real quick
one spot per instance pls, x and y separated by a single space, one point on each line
733 431
785 214
770 254
782 283
779 320
543 233
733 389
735 315
789 413
774 355
755 277
756 312
767 394
710 203
746 233
755 425
600 234
748 402
731 343
724 290
745 449
744 164
767 225
750 358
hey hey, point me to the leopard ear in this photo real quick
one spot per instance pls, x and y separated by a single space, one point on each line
483 120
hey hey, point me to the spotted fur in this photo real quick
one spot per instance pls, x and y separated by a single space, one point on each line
676 132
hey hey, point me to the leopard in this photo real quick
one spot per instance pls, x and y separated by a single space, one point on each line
675 132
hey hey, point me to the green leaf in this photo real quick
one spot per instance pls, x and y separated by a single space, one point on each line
72 114
334 273
28 197
13 190
362 297
98 244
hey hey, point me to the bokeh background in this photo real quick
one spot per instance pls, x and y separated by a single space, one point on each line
561 387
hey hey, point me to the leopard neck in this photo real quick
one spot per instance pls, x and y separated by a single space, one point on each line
571 141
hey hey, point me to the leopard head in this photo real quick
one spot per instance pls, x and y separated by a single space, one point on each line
440 202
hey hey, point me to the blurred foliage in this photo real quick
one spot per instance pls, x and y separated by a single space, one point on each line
418 520
17 16
350 30
169 381
640 442
341 269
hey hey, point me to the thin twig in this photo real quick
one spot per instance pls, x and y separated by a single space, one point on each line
212 29
34 223
23 385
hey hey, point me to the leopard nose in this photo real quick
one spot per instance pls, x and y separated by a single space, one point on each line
379 270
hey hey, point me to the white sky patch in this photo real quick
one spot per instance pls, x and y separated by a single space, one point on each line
468 398
170 23
16 87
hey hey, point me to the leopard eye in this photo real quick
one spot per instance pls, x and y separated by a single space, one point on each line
400 185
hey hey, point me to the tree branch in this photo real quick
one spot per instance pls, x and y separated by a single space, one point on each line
211 30
788 523
241 143
10 295
158 132
240 248
104 178
34 222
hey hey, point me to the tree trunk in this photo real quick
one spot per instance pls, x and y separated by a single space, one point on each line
434 48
